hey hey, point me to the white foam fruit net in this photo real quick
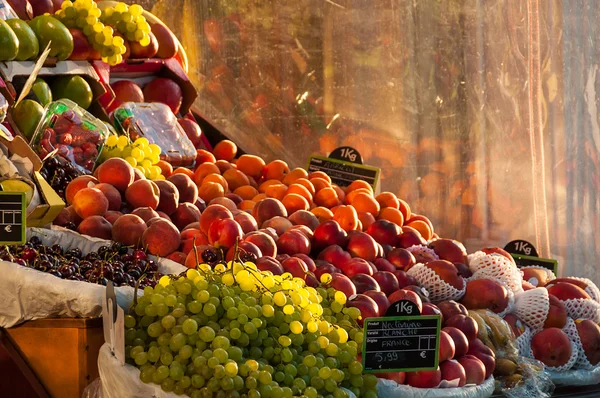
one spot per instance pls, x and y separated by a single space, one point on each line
582 361
583 309
532 307
437 288
569 329
524 343
497 267
423 251
550 275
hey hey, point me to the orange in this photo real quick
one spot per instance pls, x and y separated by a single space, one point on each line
235 179
225 150
365 202
203 170
322 213
326 197
276 170
387 199
218 178
347 217
294 202
246 192
293 175
251 165
391 214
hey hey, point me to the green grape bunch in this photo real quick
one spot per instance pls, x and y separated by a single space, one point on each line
140 154
236 331
107 29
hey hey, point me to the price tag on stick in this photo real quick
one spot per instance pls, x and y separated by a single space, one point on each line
526 255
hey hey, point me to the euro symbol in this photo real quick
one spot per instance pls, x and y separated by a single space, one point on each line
8 228
423 354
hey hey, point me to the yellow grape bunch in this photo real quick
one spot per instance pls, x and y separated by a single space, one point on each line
105 28
140 154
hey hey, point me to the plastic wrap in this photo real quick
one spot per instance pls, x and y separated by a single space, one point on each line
159 125
391 389
27 294
576 377
72 132
536 383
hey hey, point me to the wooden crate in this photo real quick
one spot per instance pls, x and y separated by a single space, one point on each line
61 352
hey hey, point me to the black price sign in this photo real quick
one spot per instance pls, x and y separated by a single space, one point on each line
346 153
12 218
530 261
401 344
522 247
403 307
343 173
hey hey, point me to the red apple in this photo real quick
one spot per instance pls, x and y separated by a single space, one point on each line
461 343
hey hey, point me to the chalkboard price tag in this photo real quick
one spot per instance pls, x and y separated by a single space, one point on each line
522 247
346 153
531 261
343 173
401 344
403 308
12 218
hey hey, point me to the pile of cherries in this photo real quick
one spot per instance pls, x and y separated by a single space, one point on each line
59 172
110 263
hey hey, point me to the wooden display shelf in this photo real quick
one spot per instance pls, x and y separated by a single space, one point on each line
62 353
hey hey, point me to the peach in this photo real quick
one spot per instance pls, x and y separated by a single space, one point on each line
294 175
184 170
303 217
165 167
551 346
497 250
95 226
450 308
247 205
78 184
276 170
449 250
223 201
326 197
145 213
567 291
112 215
246 221
322 213
366 220
474 369
293 242
482 352
191 237
117 172
557 313
90 202
410 237
279 224
203 156
185 214
168 196
294 202
401 258
452 370
188 191
363 246
485 294
225 150
577 282
589 333
424 378
264 242
384 232
112 194
267 209
128 229
200 204
387 199
405 294
224 233
67 215
178 257
212 214
464 323
447 272
347 217
138 175
143 193
447 348
461 343
251 165
319 174
306 184
235 179
164 215
161 238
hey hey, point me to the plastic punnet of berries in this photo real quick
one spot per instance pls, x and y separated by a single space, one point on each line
234 330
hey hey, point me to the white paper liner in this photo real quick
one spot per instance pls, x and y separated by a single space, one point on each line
549 273
532 307
390 389
28 294
497 267
583 309
437 288
568 329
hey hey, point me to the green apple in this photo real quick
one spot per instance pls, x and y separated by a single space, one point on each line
29 47
9 42
49 29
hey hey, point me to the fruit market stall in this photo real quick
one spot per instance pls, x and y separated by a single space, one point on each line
145 258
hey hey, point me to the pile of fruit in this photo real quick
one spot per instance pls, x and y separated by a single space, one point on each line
109 263
238 330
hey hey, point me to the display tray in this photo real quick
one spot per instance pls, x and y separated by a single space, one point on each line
61 352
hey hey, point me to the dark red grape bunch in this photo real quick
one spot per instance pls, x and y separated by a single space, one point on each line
109 263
